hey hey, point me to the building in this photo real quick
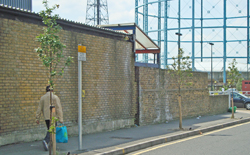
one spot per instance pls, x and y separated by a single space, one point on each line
22 4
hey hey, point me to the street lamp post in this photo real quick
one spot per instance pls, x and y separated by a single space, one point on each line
179 46
179 88
211 65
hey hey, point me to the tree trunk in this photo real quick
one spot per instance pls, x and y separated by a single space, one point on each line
232 101
50 142
180 112
232 107
54 131
50 119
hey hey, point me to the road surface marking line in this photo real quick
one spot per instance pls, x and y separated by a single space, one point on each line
186 139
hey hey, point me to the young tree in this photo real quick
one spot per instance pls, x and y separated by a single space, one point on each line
233 74
180 71
51 48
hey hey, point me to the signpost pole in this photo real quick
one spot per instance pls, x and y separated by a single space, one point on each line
81 57
80 105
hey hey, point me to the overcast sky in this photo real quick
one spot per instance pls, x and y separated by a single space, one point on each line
120 11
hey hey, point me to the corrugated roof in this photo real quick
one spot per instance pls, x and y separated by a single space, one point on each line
62 19
144 44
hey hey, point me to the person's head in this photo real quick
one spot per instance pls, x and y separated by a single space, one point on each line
47 88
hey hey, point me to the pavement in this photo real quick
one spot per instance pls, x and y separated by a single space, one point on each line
133 139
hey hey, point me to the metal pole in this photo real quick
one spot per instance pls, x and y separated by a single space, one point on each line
165 34
201 30
145 23
30 5
211 68
80 105
211 65
179 31
136 12
224 42
146 16
159 33
98 12
247 37
154 58
193 6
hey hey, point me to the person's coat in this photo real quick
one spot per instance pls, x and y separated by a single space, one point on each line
44 107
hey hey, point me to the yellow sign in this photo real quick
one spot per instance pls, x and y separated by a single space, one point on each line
216 93
83 93
82 49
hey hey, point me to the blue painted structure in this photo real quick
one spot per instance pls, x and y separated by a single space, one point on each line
145 24
200 21
22 4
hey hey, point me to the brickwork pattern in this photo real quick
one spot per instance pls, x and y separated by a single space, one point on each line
108 78
158 97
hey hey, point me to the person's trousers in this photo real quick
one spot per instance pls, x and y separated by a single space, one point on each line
47 137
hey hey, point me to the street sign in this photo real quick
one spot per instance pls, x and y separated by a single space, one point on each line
81 53
81 56
82 49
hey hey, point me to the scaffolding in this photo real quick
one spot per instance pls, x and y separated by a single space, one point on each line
225 23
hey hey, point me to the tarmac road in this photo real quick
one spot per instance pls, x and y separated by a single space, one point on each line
230 141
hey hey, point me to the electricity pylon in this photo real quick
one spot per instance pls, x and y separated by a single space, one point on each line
97 12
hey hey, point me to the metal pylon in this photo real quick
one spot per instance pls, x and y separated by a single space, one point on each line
97 12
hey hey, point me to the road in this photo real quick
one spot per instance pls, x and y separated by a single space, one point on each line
230 141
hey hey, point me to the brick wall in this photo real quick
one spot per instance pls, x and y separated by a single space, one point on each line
114 93
108 78
158 97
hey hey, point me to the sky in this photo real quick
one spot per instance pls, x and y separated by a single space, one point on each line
120 11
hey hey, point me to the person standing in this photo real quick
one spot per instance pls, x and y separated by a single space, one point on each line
44 107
